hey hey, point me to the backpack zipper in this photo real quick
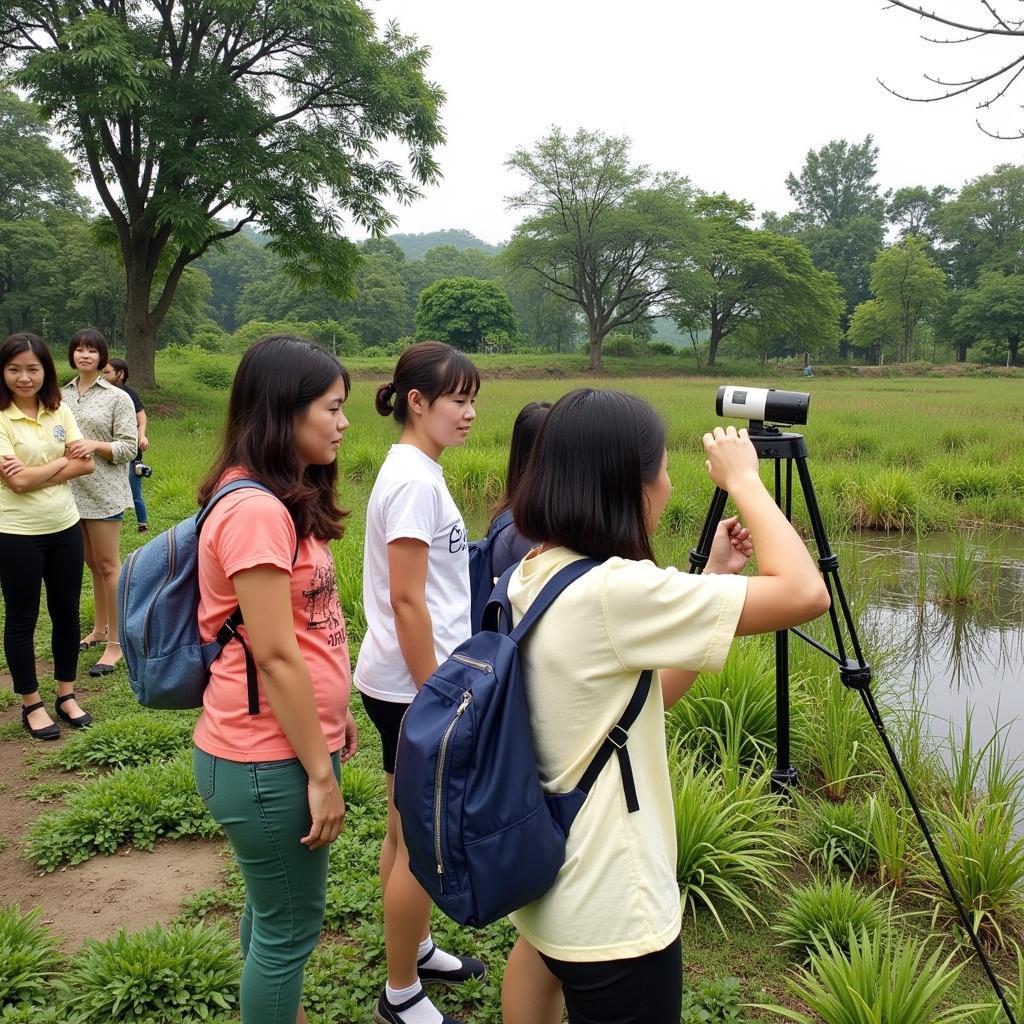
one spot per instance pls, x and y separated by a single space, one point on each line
472 662
152 604
439 784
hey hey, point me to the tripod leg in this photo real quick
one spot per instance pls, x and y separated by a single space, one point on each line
699 555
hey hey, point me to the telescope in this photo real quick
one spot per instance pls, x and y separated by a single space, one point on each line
763 405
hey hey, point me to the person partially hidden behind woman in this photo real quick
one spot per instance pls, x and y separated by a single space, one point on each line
40 541
604 940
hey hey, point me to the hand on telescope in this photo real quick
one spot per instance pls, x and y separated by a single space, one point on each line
731 549
732 459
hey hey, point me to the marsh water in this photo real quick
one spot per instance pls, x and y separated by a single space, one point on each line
951 657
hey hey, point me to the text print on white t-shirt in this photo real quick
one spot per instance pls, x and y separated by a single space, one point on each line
457 540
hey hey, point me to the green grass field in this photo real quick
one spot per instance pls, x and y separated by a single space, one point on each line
931 454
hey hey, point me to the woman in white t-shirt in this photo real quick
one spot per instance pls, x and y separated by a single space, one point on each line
417 601
604 940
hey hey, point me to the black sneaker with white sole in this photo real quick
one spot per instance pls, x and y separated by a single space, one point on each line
469 967
388 1013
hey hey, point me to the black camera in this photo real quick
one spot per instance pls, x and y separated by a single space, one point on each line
141 469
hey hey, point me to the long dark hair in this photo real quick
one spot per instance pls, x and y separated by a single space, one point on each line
524 433
24 341
278 377
583 486
433 369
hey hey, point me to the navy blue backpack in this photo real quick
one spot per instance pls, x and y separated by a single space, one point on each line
158 594
481 570
483 837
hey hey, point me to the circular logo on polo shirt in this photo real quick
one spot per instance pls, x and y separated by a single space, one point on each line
59 433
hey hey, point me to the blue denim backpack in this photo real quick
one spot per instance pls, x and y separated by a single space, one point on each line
158 594
483 837
481 571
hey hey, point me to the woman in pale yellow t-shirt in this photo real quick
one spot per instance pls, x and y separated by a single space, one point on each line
604 940
40 541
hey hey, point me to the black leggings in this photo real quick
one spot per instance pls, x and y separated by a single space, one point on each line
642 990
26 562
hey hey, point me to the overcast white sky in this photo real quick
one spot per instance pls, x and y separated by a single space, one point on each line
731 93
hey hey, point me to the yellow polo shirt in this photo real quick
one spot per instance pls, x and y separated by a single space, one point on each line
37 442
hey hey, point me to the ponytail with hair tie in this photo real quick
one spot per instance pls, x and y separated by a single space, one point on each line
385 401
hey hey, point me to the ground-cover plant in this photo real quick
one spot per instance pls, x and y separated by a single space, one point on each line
158 976
985 860
836 836
139 739
28 954
131 805
878 978
729 841
825 910
716 1001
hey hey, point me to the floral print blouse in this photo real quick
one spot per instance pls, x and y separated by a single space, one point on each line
104 413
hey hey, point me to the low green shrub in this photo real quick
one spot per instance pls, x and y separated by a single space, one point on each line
362 785
131 805
729 842
158 976
824 911
138 739
713 1002
213 371
877 977
28 954
836 836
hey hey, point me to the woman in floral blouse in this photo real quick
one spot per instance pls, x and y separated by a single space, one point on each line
106 417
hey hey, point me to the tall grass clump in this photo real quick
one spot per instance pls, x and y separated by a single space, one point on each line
734 708
886 500
182 973
28 954
985 860
729 841
890 829
475 476
877 978
828 910
131 805
836 836
132 740
958 576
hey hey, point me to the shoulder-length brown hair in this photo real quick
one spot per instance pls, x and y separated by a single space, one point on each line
278 378
24 341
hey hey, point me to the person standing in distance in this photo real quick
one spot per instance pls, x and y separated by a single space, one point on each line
116 373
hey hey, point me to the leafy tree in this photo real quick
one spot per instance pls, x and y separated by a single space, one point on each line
872 330
181 111
913 210
231 265
839 214
463 311
993 312
600 233
381 311
547 320
34 177
29 279
909 286
742 279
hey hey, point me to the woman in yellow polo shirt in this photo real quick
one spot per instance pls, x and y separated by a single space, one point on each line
40 540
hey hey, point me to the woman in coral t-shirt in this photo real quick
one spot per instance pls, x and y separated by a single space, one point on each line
270 779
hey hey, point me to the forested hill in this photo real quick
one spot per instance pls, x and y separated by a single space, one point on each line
416 246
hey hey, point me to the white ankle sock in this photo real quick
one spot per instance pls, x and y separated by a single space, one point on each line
424 1012
440 960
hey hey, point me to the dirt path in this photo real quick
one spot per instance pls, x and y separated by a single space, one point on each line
131 889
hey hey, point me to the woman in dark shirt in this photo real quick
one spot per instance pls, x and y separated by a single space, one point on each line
116 372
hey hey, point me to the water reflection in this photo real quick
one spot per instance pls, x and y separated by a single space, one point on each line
953 656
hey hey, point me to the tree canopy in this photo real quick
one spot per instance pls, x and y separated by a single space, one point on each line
463 311
181 112
599 232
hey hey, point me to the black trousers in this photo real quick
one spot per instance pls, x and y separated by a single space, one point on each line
642 990
26 562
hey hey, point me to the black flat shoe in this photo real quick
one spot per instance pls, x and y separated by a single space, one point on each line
99 669
47 732
81 722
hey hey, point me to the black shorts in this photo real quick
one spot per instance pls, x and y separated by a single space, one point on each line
386 716
642 990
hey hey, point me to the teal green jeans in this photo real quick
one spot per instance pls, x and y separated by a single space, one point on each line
264 812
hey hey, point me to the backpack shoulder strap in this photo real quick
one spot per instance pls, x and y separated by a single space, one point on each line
501 522
615 743
498 613
229 631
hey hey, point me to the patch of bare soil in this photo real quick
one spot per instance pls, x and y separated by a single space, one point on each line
130 890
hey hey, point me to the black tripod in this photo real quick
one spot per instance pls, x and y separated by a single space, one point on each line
854 672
